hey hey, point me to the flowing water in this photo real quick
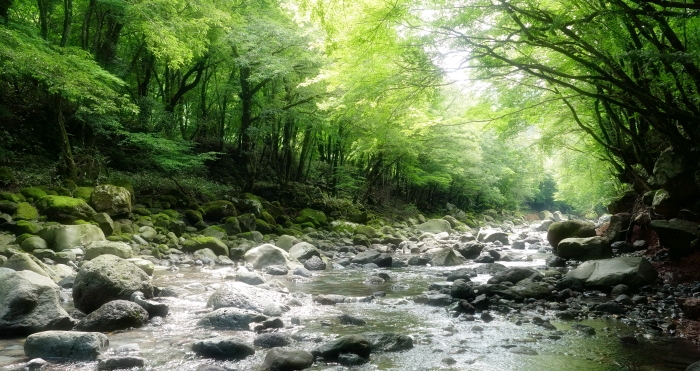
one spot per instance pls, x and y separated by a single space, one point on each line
166 344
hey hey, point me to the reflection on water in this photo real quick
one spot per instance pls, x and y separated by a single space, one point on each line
441 342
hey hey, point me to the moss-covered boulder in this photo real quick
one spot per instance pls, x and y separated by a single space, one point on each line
84 193
65 237
128 186
215 211
65 209
12 197
8 207
249 203
111 199
214 231
34 243
247 222
434 226
98 248
26 227
34 193
262 227
198 243
569 229
267 217
193 216
25 211
231 226
366 231
317 217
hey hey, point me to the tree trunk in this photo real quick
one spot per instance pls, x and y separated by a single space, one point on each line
66 152
43 18
67 21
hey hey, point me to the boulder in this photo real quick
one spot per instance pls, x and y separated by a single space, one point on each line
584 248
215 211
525 289
212 243
121 362
316 217
278 359
107 278
690 308
546 215
26 262
514 275
105 223
618 227
25 211
66 237
493 236
272 340
231 319
66 345
470 250
663 204
567 229
64 209
606 273
30 303
223 347
112 200
355 344
34 243
388 341
304 250
97 248
366 257
676 235
446 257
269 255
285 242
369 232
315 264
243 296
434 226
113 316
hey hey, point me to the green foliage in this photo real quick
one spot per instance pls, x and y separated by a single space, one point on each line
169 156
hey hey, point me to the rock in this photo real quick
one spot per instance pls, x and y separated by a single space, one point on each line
25 211
489 236
250 278
315 264
366 257
26 262
545 215
111 200
350 359
462 289
446 257
285 242
243 296
272 340
66 237
485 257
525 289
153 308
231 319
388 341
66 345
609 307
694 367
223 347
471 249
269 255
212 243
663 204
304 250
64 209
583 249
146 266
108 278
276 270
355 344
105 223
514 275
618 227
569 229
97 248
30 303
690 308
676 235
434 226
631 271
347 319
316 217
302 271
121 362
115 315
278 359
214 231
215 211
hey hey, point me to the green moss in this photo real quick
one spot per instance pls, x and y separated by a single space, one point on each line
316 217
172 214
6 176
142 211
23 237
33 193
25 226
161 220
125 184
65 209
62 191
13 197
262 227
8 207
250 196
268 218
193 216
366 230
83 192
114 238
25 211
216 210
308 225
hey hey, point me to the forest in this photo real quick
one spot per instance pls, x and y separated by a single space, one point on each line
485 105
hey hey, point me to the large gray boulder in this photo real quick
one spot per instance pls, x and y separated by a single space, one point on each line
568 229
66 345
113 316
224 347
606 273
285 242
107 278
244 296
111 200
26 262
98 248
676 235
30 303
304 250
584 248
491 235
515 275
446 257
231 319
278 359
355 344
267 255
388 341
66 237
435 226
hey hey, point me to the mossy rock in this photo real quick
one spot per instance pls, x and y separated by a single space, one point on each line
262 226
161 220
267 217
65 209
569 229
215 211
273 208
26 226
7 177
142 211
251 236
193 216
23 237
34 193
83 192
8 207
25 211
125 184
316 217
198 243
61 191
366 231
12 197
247 222
292 232
172 214
231 226
307 225
214 231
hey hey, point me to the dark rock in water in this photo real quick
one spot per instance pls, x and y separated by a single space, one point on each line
301 271
518 245
588 330
515 275
629 339
329 299
433 299
486 317
624 300
153 308
491 268
278 359
619 290
559 231
272 340
115 315
30 303
418 260
462 289
384 261
66 345
676 235
631 271
569 283
638 299
224 347
609 307
470 250
365 257
556 262
523 350
354 344
388 341
484 258
276 270
231 319
461 274
481 302
350 359
564 315
346 319
466 307
108 278
315 264
584 248
120 362
273 323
